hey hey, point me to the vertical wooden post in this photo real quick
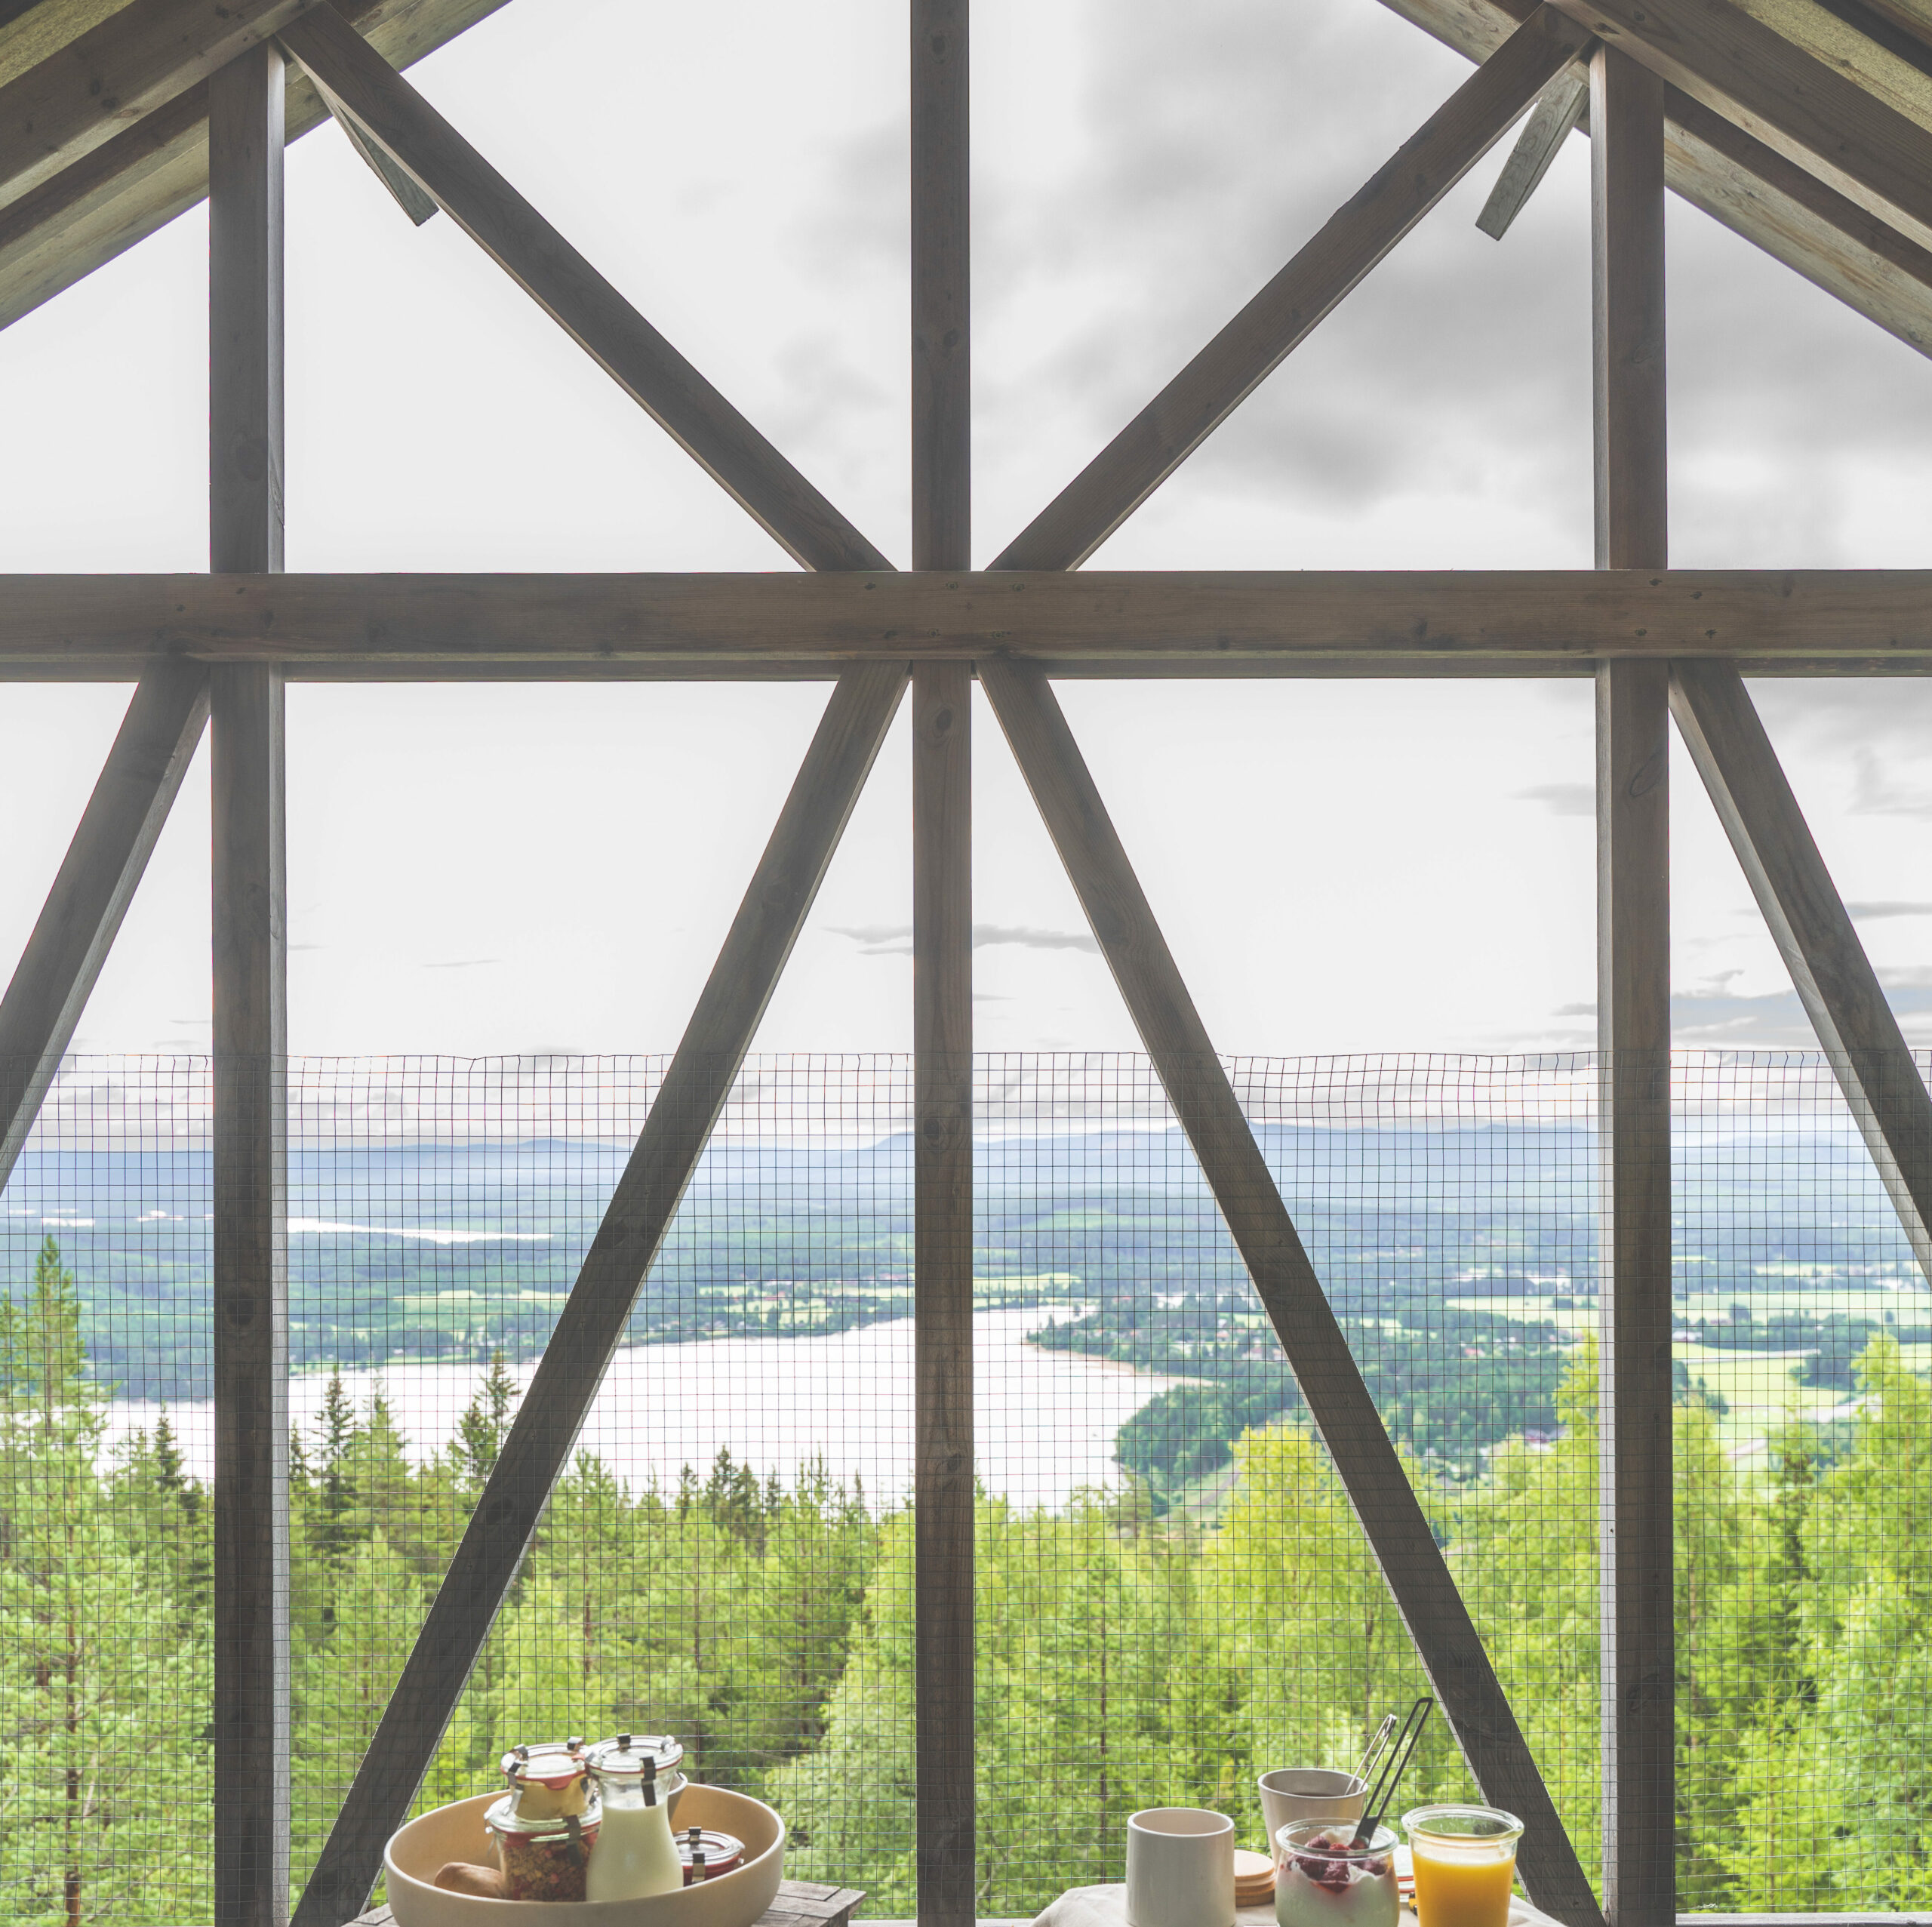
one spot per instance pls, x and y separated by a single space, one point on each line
251 1663
1633 1015
943 982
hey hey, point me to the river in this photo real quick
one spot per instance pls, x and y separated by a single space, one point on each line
1045 1421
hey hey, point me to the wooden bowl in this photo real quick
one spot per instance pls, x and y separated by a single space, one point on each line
736 1899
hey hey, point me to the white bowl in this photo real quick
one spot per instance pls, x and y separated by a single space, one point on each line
736 1899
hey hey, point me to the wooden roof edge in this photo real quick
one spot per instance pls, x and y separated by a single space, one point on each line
97 208
1769 199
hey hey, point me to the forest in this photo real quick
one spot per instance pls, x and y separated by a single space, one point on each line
1126 1655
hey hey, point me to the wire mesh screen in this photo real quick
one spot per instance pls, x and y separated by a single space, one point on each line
1172 1593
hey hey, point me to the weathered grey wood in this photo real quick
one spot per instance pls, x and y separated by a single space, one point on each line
410 199
249 1243
138 59
540 1438
945 1854
798 1903
1754 191
943 1292
96 881
101 205
1786 96
632 353
1204 1100
1861 622
1829 969
1286 312
1638 1649
1552 122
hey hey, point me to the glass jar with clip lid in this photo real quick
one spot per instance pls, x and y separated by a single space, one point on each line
636 1855
543 1829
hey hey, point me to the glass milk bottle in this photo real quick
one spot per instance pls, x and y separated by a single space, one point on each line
635 1855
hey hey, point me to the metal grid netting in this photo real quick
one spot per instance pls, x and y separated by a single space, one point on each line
1172 1593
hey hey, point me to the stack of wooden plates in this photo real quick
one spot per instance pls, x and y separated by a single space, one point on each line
1254 1878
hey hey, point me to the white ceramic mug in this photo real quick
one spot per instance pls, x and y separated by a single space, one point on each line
1292 1794
1180 1868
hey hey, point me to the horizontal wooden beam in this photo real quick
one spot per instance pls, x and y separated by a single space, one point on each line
136 60
541 262
1745 69
101 205
1277 319
1447 622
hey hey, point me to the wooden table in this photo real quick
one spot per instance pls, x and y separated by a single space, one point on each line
800 1903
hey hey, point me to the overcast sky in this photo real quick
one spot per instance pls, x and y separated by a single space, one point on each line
1340 867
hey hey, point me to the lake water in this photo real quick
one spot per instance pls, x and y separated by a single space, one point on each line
1045 1421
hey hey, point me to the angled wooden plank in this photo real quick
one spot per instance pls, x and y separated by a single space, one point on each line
410 199
1833 976
139 59
1758 193
562 282
1246 352
1197 1086
1786 96
249 1242
96 881
1637 1649
1158 622
945 1849
1552 122
99 206
592 1325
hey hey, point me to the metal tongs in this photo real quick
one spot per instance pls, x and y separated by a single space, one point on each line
1396 1759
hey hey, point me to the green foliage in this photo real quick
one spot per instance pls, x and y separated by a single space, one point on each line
1127 1654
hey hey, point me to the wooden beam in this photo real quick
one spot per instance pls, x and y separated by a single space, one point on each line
1204 1100
1784 96
1638 1648
138 59
945 1850
250 1236
1749 188
1286 311
1507 622
1833 976
594 1318
562 282
1552 122
99 206
96 881
400 186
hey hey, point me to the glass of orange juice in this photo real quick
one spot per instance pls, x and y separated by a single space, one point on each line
1465 1862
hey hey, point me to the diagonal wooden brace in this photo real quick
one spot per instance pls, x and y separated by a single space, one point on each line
1204 1100
1833 976
695 1087
117 834
398 120
1287 310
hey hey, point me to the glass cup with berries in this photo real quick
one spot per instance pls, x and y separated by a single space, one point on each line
1325 1880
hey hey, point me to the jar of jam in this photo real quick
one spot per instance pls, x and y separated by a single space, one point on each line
707 1853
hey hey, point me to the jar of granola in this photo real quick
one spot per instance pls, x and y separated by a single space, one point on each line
541 1859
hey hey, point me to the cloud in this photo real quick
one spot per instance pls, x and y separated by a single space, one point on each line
1875 792
1562 798
463 963
1869 910
894 940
